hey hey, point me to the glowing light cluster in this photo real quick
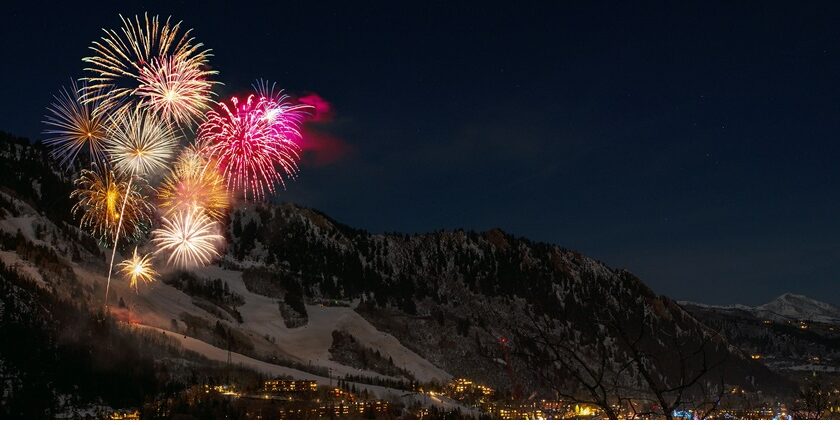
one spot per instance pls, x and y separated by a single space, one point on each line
140 144
254 141
174 90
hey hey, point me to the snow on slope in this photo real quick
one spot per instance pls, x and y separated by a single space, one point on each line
23 267
215 353
312 341
786 307
158 304
27 218
800 307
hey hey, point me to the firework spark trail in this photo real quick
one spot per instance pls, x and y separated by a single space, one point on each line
139 144
190 235
191 162
138 268
72 126
285 116
116 240
121 58
251 140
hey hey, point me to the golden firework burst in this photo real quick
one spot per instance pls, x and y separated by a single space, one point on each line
138 58
194 183
174 91
72 126
100 194
138 268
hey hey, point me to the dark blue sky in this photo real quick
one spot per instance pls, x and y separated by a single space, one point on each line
695 144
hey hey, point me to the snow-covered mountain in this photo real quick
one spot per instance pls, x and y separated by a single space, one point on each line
293 282
786 307
790 334
800 307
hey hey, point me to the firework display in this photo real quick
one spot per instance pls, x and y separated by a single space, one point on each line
147 86
132 65
194 183
254 141
138 268
190 237
140 144
174 90
72 126
100 195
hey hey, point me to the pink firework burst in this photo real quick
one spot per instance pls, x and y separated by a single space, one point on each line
254 142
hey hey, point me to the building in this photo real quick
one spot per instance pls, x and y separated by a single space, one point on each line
228 390
124 415
338 393
358 410
290 386
521 413
463 389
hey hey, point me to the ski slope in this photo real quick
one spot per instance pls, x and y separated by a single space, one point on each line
158 304
215 353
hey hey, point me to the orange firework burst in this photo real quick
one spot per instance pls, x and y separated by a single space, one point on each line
190 236
194 183
101 194
71 126
143 52
138 268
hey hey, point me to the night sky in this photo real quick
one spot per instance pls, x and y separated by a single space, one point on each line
695 144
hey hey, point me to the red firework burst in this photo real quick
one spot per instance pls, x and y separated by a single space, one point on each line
254 142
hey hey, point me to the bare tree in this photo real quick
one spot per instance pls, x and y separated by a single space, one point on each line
812 401
580 374
712 395
623 367
668 384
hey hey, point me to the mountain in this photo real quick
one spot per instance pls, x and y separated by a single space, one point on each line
450 295
790 334
299 293
800 307
787 307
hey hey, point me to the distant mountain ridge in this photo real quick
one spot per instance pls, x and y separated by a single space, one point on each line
786 307
792 334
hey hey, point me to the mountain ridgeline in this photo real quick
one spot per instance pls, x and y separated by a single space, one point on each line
518 314
528 318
